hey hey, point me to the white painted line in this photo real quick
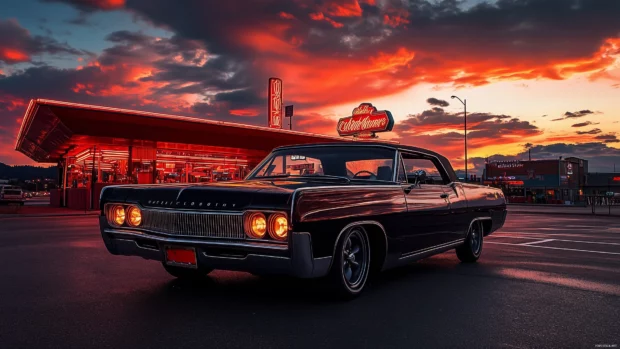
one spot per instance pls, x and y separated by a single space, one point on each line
553 248
536 242
513 237
577 241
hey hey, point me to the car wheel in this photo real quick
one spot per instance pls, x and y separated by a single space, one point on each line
351 265
187 273
470 251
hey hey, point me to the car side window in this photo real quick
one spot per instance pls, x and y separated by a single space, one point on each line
416 162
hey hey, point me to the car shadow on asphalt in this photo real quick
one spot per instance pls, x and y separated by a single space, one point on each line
243 288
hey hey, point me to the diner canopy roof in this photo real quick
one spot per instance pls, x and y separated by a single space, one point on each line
51 130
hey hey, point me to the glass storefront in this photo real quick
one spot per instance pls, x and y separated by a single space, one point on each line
142 165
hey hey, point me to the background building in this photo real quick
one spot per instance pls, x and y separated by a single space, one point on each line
541 181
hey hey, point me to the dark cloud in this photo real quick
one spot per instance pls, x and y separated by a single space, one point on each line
437 102
17 45
577 114
437 118
573 115
593 131
584 124
608 138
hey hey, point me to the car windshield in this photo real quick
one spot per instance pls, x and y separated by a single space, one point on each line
346 163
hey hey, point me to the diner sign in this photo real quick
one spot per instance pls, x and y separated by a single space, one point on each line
365 121
274 107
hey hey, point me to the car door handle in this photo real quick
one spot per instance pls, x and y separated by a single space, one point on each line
443 196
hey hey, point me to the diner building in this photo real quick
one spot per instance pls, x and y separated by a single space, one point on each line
550 181
97 146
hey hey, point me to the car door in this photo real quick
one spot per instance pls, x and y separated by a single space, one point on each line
427 207
459 213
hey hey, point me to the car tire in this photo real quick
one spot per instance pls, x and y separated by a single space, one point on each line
187 273
471 250
351 264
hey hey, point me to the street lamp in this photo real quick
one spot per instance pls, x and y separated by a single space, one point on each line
464 102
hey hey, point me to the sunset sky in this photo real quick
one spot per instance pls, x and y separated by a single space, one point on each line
539 74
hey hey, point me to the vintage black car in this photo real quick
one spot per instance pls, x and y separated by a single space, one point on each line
338 210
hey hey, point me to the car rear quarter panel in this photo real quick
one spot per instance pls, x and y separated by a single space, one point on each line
324 212
485 201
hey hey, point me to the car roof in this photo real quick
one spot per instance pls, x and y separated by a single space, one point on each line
384 144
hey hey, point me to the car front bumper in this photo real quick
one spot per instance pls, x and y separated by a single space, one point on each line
295 259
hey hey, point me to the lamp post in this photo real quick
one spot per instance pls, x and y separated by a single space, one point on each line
464 102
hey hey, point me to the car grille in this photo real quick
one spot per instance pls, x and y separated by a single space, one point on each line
213 225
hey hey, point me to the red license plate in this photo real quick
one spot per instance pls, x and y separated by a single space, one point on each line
181 256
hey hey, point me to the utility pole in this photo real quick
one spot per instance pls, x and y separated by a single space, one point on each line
464 102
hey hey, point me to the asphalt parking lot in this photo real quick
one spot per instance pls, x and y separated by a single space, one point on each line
543 281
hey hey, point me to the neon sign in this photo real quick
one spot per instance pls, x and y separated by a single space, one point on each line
365 121
274 108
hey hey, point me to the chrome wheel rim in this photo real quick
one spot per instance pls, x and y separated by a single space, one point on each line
476 238
355 259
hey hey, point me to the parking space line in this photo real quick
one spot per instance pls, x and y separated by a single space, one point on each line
552 248
563 240
537 242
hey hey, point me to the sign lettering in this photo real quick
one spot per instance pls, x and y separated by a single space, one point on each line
365 121
274 108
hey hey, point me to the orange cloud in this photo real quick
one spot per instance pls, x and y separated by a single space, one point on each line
348 8
13 55
286 15
396 17
109 4
319 16
338 80
244 112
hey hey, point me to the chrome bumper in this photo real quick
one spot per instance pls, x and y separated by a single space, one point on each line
295 259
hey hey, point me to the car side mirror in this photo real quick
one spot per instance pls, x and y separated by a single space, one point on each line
420 176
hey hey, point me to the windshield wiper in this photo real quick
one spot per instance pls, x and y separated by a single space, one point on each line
346 179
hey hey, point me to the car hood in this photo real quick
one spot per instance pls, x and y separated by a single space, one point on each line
225 196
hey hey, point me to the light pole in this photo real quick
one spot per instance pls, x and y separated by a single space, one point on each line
464 102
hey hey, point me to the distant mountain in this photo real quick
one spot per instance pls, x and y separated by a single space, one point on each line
22 173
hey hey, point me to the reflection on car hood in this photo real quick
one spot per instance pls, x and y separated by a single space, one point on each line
230 195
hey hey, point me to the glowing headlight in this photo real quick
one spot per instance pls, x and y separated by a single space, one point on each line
117 214
278 226
256 225
134 216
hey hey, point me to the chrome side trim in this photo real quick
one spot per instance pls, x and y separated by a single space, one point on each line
245 257
266 246
333 257
366 203
432 248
